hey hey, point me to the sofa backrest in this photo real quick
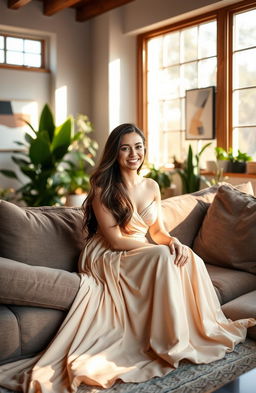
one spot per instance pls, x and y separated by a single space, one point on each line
52 236
41 236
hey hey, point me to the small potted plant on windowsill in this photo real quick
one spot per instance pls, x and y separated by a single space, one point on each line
222 158
237 164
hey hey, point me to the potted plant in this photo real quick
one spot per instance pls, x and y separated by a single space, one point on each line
238 163
40 160
190 173
162 177
222 158
80 159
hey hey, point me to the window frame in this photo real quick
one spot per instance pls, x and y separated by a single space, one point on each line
43 67
224 80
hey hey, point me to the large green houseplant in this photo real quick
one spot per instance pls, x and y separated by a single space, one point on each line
39 162
77 164
190 173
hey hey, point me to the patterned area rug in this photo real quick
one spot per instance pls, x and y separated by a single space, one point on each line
190 378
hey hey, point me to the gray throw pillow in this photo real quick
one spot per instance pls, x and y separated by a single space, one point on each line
227 236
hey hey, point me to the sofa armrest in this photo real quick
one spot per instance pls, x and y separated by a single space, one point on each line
40 286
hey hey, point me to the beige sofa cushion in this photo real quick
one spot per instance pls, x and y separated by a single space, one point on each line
22 284
228 233
184 214
41 236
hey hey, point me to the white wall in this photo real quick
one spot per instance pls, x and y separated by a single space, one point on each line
69 61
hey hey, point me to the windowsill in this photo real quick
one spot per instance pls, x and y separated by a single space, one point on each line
230 174
21 68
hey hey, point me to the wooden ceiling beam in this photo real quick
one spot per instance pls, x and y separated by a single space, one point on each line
97 7
16 4
53 6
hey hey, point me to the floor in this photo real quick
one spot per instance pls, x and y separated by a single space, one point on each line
246 383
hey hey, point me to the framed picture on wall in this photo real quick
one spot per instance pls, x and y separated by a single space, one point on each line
13 117
200 113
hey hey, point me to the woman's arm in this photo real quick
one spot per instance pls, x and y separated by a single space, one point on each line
111 231
161 236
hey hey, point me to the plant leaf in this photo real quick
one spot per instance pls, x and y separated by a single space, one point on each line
9 173
39 151
62 139
46 122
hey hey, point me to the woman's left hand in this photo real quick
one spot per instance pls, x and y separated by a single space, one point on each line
182 252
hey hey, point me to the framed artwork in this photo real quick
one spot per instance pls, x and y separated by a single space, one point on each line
13 114
200 113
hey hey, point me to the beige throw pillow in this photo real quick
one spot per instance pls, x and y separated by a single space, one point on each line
227 236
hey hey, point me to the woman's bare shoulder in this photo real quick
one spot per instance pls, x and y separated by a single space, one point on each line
151 183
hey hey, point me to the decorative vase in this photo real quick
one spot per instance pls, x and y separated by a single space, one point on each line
75 200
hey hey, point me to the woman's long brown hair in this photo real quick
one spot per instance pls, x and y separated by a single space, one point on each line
108 178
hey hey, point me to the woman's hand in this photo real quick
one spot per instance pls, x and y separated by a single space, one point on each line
182 252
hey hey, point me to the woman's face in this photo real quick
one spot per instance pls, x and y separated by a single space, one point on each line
131 152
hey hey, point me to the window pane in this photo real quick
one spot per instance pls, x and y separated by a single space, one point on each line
207 70
207 40
244 31
14 58
32 46
244 68
1 42
170 82
155 119
32 60
188 77
171 49
170 146
15 44
183 122
247 140
189 44
172 116
1 56
244 107
155 53
153 85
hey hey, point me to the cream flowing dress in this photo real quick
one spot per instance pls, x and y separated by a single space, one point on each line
135 316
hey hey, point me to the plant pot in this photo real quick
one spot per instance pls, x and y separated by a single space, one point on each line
211 166
251 167
75 200
224 165
237 167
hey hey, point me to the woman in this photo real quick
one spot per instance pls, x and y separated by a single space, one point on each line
141 308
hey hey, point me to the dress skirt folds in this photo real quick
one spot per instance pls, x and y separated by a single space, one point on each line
135 316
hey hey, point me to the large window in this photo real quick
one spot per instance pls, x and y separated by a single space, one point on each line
217 49
22 52
244 82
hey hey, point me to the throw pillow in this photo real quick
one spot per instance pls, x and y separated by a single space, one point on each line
39 286
227 235
42 236
183 215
